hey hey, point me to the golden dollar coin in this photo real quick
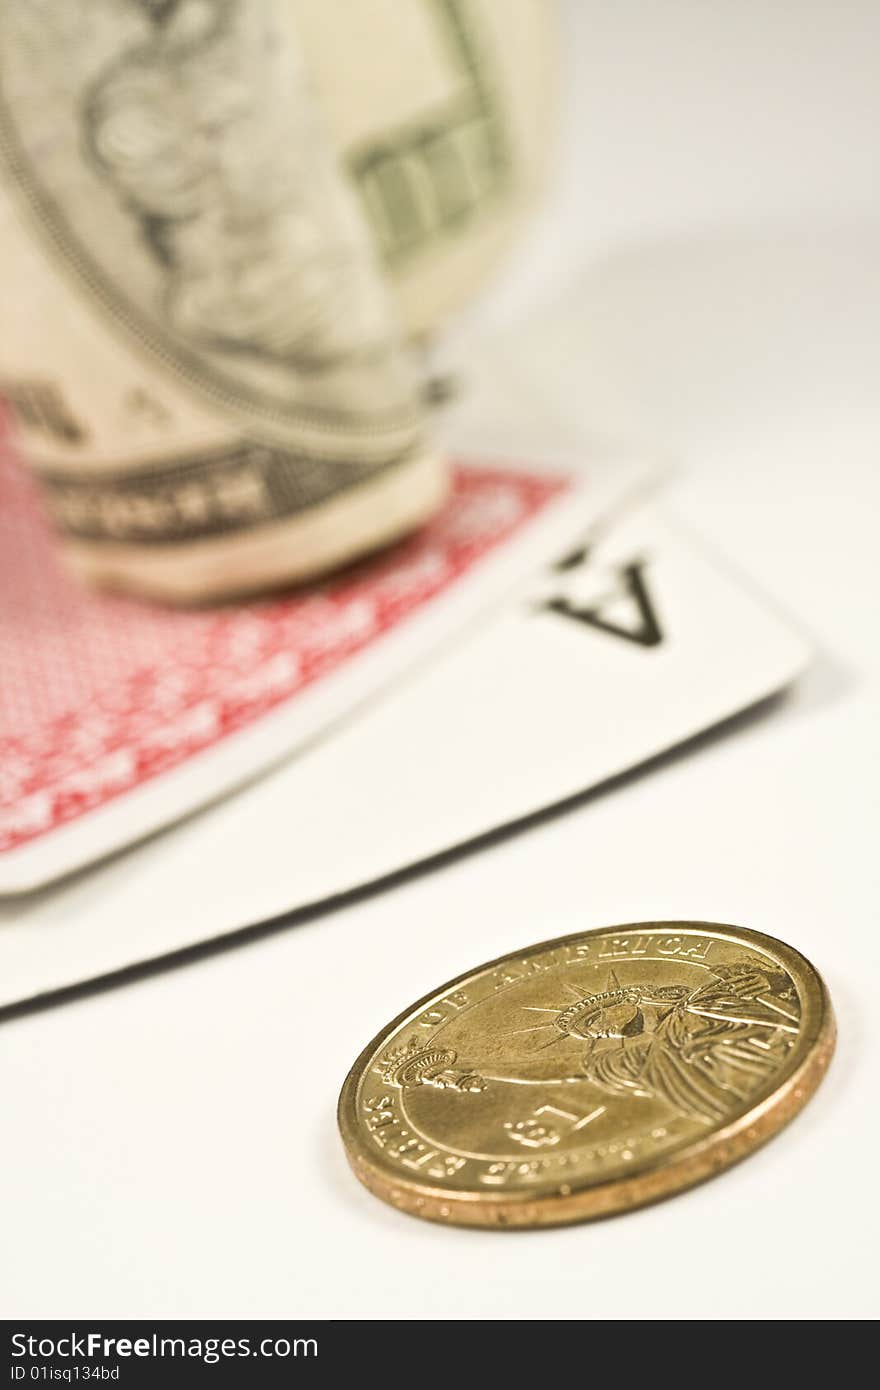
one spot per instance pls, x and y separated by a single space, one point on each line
587 1075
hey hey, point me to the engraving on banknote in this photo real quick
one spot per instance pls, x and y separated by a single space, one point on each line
174 158
424 179
41 405
189 498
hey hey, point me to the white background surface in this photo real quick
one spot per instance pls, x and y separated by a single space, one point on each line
170 1148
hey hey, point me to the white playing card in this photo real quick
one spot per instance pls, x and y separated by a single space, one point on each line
621 651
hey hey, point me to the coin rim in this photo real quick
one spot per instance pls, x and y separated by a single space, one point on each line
662 1176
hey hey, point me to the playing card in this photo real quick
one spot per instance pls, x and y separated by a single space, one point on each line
118 717
625 647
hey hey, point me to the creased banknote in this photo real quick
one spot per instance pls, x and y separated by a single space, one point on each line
197 343
219 219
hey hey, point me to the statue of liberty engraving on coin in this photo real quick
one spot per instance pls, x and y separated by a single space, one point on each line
588 1075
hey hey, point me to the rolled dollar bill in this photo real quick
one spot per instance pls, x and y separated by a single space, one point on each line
196 342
